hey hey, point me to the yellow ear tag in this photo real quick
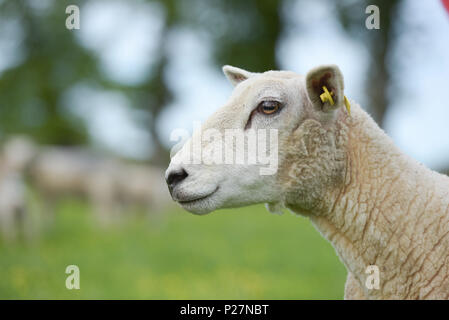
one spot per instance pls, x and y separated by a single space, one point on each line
326 96
348 105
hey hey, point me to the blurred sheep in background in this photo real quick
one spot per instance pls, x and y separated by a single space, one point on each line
16 153
112 186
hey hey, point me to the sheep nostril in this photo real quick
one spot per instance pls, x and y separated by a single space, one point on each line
176 177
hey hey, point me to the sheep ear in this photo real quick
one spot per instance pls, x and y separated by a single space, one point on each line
236 75
330 77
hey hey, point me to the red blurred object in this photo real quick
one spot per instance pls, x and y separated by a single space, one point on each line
446 4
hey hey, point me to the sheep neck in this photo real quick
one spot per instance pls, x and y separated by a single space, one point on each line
379 216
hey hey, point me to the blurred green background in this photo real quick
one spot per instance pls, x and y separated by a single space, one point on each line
101 100
243 254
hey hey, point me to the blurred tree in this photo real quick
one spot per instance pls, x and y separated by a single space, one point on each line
31 92
380 43
243 33
53 60
249 38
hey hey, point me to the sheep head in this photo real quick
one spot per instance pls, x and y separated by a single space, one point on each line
275 141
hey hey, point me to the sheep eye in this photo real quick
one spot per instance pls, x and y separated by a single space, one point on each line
269 107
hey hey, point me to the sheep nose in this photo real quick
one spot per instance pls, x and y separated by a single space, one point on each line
175 177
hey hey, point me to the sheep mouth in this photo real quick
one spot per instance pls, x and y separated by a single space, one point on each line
196 200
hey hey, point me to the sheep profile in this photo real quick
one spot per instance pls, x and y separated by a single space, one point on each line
377 206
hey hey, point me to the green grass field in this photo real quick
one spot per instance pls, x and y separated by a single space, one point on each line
230 254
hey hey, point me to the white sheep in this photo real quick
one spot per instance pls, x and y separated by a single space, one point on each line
109 184
16 153
12 205
59 171
377 206
118 185
144 186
